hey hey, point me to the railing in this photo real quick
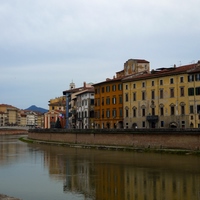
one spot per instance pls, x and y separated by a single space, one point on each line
152 118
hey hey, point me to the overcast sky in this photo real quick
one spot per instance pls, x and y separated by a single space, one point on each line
46 44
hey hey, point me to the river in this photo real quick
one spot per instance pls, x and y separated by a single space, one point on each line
45 172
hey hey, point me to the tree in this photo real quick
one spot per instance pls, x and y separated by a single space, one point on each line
58 124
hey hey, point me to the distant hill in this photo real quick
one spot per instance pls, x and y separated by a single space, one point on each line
37 109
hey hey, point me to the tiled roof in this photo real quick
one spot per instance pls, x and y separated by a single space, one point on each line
6 105
75 90
162 72
108 81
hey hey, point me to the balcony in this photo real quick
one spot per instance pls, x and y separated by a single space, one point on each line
152 118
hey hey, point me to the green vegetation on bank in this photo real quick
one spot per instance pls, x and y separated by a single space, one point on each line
113 148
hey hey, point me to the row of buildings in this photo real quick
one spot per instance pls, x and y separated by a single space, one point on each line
13 116
136 97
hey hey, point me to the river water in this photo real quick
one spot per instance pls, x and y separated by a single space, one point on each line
44 172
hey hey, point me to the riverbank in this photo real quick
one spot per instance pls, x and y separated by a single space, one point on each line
112 148
5 197
181 139
13 130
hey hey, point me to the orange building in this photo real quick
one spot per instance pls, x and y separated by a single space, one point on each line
109 95
108 104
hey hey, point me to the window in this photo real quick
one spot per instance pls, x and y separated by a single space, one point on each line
181 79
161 82
161 111
143 112
143 84
97 102
143 95
113 87
191 109
120 86
107 100
152 83
172 110
134 96
91 101
102 89
190 78
197 77
120 99
107 88
120 112
126 97
134 85
171 80
181 91
197 90
107 113
126 111
102 113
182 124
114 113
102 102
126 87
114 100
152 94
190 91
134 112
153 111
198 109
143 124
182 109
161 94
171 92
161 123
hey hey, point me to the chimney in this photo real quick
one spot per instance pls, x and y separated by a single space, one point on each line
174 65
84 84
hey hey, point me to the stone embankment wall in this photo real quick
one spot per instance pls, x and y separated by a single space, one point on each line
138 138
7 131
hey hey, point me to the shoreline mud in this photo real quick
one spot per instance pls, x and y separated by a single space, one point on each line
5 197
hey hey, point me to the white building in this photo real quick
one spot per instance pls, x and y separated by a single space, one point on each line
85 109
31 119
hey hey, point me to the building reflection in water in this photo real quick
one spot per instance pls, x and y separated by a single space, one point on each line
110 175
102 178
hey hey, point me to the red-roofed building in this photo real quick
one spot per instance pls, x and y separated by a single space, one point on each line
109 95
164 98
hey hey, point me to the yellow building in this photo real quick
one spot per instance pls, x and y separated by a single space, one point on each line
58 104
56 110
11 115
166 97
109 95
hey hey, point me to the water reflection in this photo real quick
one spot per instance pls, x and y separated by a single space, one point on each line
111 175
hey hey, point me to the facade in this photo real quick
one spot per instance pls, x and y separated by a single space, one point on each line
58 104
109 95
85 109
164 98
52 116
3 119
31 119
108 104
71 98
11 116
56 110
